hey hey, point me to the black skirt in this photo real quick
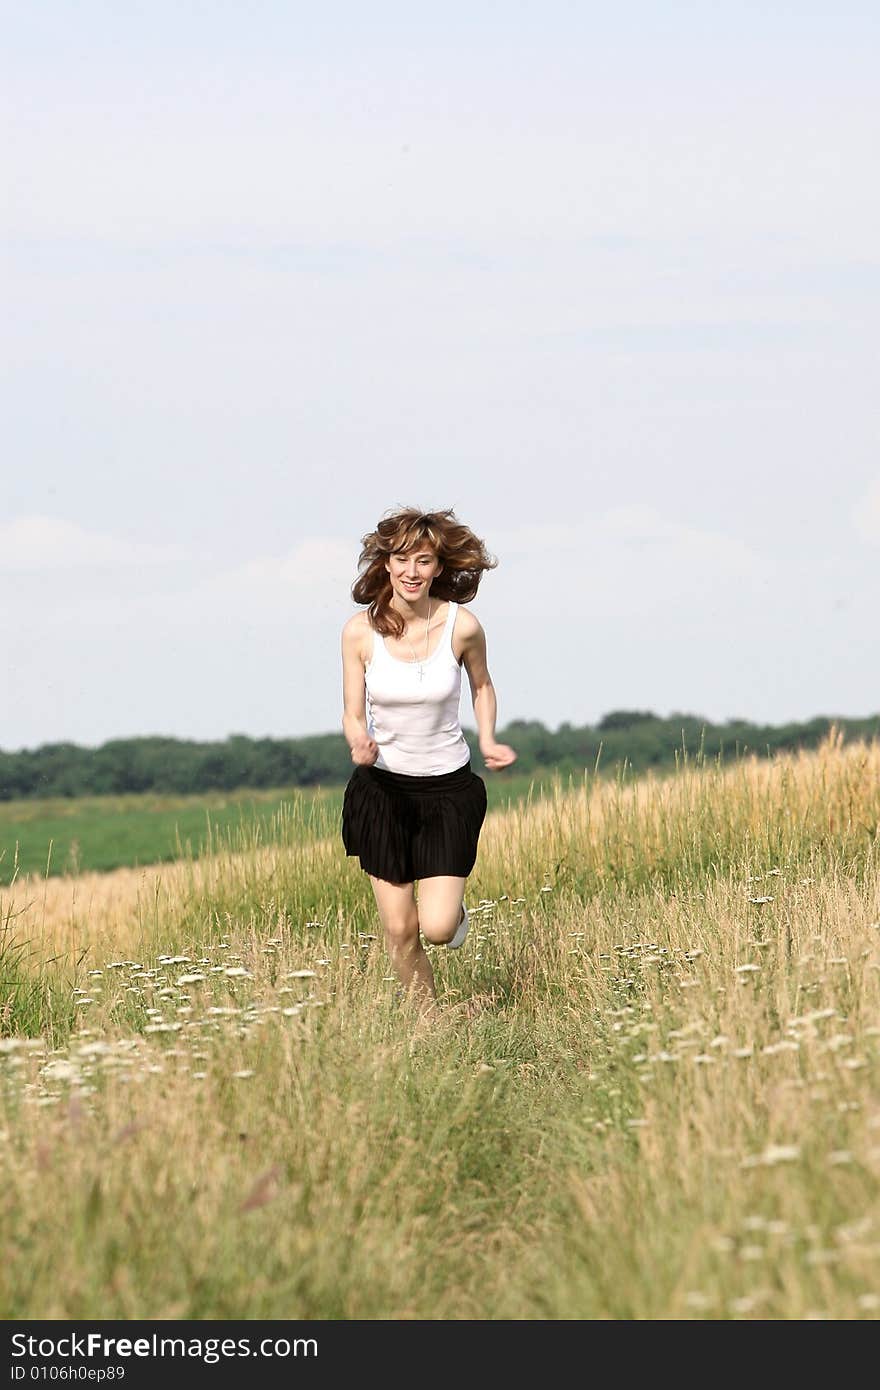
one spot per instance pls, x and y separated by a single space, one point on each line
404 828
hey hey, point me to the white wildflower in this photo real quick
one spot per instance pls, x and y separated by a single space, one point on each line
773 1154
723 1245
60 1070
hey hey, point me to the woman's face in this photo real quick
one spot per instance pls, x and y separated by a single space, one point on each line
412 572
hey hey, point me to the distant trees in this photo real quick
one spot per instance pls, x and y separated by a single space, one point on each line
158 764
624 719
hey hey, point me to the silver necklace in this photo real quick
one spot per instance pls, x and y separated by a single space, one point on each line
412 648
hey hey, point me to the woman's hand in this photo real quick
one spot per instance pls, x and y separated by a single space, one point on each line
497 755
364 751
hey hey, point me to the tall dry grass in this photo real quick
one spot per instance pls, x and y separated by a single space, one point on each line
667 1105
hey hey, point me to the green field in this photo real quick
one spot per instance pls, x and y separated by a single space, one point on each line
82 834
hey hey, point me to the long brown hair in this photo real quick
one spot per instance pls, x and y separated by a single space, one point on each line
464 557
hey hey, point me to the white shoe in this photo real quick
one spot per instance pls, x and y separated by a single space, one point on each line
461 930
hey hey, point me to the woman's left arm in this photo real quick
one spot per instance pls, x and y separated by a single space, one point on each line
473 656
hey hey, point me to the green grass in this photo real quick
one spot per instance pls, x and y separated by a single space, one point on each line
98 833
666 1104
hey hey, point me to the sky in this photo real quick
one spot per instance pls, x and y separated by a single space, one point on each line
605 280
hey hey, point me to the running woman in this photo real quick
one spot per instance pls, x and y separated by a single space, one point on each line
413 808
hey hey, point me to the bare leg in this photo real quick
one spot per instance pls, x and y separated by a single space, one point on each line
440 903
400 920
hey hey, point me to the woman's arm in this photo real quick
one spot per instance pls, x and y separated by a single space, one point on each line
496 755
354 718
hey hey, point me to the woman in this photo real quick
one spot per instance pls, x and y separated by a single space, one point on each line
413 809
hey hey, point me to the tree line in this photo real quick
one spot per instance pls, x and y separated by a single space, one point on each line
638 738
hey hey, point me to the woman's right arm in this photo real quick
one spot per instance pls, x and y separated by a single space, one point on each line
364 750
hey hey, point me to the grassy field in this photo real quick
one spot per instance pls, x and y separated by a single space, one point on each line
652 1091
62 835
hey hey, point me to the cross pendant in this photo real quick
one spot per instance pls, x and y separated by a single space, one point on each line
421 672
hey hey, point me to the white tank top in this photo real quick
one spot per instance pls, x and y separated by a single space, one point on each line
416 721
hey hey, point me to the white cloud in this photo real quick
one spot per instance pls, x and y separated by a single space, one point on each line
716 553
534 539
313 578
316 573
36 544
625 562
866 514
